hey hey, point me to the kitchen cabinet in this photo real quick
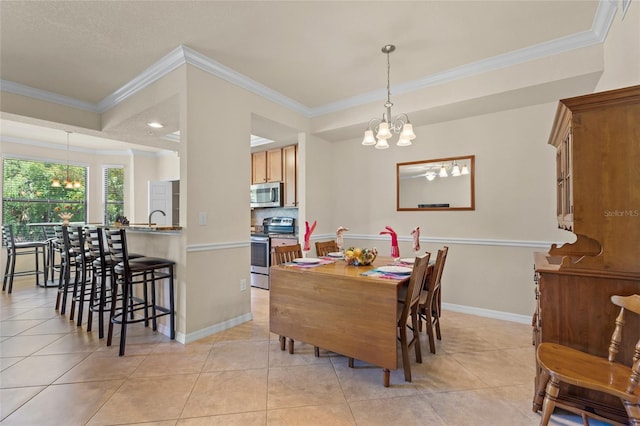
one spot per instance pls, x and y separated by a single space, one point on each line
266 166
290 175
598 195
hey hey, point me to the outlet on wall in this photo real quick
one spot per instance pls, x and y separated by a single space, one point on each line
243 284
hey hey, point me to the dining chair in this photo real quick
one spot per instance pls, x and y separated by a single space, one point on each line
429 305
562 364
407 308
284 254
323 248
19 248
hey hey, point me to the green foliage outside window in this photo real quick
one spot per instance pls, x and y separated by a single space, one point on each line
28 197
114 194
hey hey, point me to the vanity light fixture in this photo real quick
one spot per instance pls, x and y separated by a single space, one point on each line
443 172
465 170
155 125
386 127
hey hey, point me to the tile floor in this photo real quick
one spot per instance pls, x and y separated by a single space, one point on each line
53 373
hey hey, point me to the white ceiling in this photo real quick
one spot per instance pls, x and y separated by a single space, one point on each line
316 53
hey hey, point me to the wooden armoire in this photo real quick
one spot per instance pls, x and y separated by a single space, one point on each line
597 138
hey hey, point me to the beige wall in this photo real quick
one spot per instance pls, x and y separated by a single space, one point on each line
490 258
622 51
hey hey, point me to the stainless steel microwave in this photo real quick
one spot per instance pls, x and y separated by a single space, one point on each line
267 195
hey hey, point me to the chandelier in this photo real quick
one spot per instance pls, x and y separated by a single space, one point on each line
68 183
388 125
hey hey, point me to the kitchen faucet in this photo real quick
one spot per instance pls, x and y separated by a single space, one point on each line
151 214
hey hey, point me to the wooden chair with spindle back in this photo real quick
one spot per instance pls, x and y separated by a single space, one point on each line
323 248
562 364
429 305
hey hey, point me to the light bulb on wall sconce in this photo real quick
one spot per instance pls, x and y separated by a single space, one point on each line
430 176
443 172
465 170
456 169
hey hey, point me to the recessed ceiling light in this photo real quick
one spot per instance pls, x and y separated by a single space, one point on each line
155 125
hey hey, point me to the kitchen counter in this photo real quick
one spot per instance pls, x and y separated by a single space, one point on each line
154 229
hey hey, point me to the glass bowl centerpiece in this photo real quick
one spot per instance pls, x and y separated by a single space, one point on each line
360 256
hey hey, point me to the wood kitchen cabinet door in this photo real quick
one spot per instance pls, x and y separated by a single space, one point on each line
266 166
290 172
274 165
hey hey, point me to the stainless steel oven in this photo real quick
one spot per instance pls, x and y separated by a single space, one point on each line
260 261
261 248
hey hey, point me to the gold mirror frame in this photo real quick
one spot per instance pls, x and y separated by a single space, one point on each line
460 189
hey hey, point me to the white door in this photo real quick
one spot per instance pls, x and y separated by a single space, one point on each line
160 199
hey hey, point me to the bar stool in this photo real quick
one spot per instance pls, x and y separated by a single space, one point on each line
67 263
83 272
15 249
102 278
139 272
51 266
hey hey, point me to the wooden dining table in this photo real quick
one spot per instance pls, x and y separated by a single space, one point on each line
334 307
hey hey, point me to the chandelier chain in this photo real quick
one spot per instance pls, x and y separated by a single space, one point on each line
388 81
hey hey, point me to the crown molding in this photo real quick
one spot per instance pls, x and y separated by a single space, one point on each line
184 55
162 67
43 95
601 24
47 145
221 71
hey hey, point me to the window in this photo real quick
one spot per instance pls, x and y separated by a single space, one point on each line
28 197
113 194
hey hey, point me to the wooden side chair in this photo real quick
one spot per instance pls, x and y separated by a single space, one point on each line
408 308
284 254
429 305
323 248
561 364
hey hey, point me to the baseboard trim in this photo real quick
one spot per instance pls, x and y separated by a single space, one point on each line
208 331
487 313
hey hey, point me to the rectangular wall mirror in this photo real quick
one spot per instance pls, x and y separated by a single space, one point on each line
438 184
